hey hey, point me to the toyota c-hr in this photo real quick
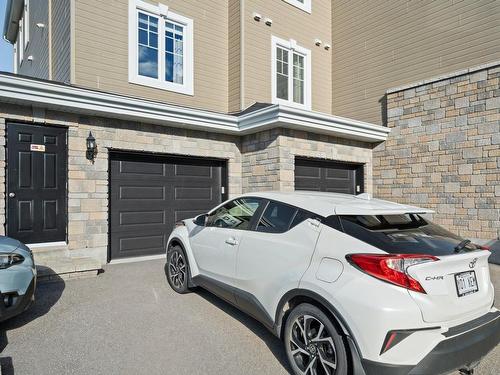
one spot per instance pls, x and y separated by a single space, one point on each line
352 285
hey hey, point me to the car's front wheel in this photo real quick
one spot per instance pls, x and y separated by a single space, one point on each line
177 269
312 344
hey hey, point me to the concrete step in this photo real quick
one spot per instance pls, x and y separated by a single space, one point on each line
64 268
54 262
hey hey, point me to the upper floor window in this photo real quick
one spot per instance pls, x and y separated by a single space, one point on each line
160 48
26 24
291 70
305 5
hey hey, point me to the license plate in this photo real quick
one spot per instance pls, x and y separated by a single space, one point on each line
466 283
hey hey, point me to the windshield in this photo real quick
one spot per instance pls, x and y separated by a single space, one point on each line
403 234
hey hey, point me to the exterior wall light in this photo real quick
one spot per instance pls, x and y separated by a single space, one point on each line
91 148
268 21
318 42
40 25
257 17
327 47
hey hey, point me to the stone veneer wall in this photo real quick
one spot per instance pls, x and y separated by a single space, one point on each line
268 161
261 161
443 151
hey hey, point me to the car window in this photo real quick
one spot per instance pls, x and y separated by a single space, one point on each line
300 217
402 234
236 214
276 218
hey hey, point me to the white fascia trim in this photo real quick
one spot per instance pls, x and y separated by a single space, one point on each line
163 12
292 46
67 98
305 6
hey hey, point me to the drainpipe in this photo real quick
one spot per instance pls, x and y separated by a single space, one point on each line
242 54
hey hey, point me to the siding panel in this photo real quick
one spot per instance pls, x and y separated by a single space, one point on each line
101 51
38 46
382 44
61 40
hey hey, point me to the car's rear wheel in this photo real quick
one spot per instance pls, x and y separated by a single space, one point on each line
312 344
178 269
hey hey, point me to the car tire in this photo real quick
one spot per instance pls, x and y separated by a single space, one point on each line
177 269
312 344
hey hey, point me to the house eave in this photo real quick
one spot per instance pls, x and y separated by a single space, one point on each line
68 98
13 13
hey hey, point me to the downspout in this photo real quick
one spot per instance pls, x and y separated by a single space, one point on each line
49 26
242 54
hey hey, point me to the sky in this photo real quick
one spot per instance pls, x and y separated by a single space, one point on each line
6 49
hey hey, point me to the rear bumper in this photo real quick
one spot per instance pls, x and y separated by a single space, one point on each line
20 302
467 346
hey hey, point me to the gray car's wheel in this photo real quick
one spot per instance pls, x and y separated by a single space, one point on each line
178 269
312 344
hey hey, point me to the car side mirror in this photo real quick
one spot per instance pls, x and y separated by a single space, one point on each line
201 220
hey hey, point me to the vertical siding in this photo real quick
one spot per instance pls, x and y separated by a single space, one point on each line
101 51
289 22
38 45
382 44
234 55
61 48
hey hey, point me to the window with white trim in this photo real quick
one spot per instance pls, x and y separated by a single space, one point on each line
305 5
291 71
160 48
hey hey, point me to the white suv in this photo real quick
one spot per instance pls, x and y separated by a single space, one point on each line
352 285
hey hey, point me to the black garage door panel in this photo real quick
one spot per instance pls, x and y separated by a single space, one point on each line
328 176
149 193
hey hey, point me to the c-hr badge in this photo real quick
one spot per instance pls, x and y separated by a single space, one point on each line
472 264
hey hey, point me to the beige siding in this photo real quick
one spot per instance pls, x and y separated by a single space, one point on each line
101 51
381 44
289 22
61 48
234 55
38 46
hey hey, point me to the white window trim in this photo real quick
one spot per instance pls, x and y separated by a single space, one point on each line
306 6
20 43
163 12
26 24
292 46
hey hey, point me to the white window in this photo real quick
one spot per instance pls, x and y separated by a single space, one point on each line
291 74
160 48
305 5
20 43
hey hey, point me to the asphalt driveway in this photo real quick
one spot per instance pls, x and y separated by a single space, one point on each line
128 321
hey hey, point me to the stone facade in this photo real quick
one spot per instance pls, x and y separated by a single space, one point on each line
261 161
444 150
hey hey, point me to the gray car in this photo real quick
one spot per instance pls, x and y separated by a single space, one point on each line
17 277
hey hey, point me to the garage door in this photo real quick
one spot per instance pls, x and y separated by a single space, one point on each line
323 175
149 193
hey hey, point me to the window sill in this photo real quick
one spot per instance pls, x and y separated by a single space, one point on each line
166 86
288 103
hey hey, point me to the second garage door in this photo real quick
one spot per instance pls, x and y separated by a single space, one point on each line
329 176
149 193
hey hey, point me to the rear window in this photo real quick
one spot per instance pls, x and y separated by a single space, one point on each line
402 234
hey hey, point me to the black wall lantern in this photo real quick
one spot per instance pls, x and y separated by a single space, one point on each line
91 148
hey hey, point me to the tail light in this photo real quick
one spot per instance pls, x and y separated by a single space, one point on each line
391 268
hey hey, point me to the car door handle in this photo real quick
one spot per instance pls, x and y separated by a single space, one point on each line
232 241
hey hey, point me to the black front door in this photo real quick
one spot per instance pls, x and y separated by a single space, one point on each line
36 183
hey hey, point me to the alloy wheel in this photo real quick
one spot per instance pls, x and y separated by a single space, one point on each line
177 269
312 347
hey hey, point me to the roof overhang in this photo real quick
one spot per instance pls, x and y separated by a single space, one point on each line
13 13
68 98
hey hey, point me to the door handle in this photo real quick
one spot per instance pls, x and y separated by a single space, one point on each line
12 195
232 241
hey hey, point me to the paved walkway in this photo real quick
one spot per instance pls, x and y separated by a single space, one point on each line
128 321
